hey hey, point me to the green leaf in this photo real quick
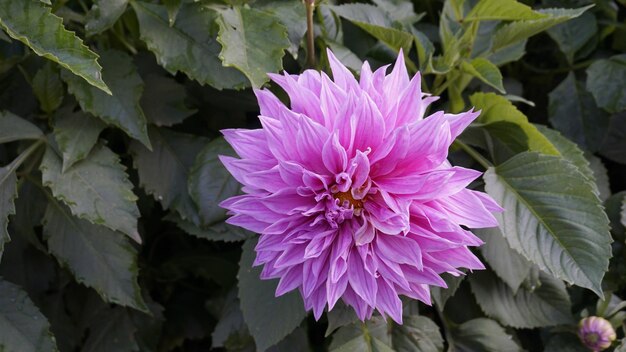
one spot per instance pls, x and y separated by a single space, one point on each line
441 295
189 46
561 229
163 101
292 14
483 335
8 193
495 108
372 335
507 10
509 265
210 182
22 326
341 315
230 322
485 71
574 113
75 133
15 128
164 171
606 80
103 15
111 330
96 188
260 307
564 342
547 305
399 11
48 88
572 35
514 32
48 38
614 146
120 109
252 41
97 257
216 232
417 334
345 56
375 21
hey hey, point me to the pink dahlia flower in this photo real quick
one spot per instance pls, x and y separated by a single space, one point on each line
350 190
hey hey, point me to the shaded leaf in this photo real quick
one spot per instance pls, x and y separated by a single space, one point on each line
48 38
120 109
260 307
230 324
614 146
111 330
76 133
340 315
48 88
372 335
508 10
173 6
22 326
485 71
417 333
606 80
292 14
483 335
441 295
15 128
8 193
189 46
216 232
103 14
96 189
163 101
565 343
97 257
542 218
572 35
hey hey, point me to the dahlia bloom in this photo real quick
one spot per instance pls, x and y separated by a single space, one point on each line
350 190
596 333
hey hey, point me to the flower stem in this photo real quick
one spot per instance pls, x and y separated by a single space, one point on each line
474 154
310 37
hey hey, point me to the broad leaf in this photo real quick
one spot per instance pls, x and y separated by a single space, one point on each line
509 265
565 342
210 183
623 213
572 35
103 14
111 330
8 193
561 229
97 257
252 41
292 14
399 11
22 326
606 80
163 101
547 305
574 113
48 38
230 322
508 10
485 71
216 232
341 315
189 46
76 133
417 334
483 335
120 109
614 146
260 307
441 295
15 128
164 171
48 88
173 6
96 189
372 335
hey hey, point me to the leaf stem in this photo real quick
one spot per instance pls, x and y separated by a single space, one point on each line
474 154
310 33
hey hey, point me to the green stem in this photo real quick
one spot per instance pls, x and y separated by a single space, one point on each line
310 33
474 154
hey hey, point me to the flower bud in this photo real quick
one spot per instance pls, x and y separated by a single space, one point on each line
596 333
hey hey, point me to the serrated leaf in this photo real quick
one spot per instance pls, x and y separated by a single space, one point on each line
164 171
189 46
8 193
614 146
507 10
373 335
572 35
496 109
76 133
48 38
547 305
601 176
375 21
517 31
260 307
292 14
96 188
163 101
103 15
485 71
230 321
441 295
120 109
252 41
399 11
111 330
606 80
15 128
509 265
552 216
483 335
216 232
22 326
97 256
574 113
210 183
417 334
173 6
48 88
340 315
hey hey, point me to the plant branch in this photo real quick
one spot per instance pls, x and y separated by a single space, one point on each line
310 33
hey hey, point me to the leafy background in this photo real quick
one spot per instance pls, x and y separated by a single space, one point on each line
110 112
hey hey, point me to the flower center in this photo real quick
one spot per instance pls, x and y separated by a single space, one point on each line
591 338
344 197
